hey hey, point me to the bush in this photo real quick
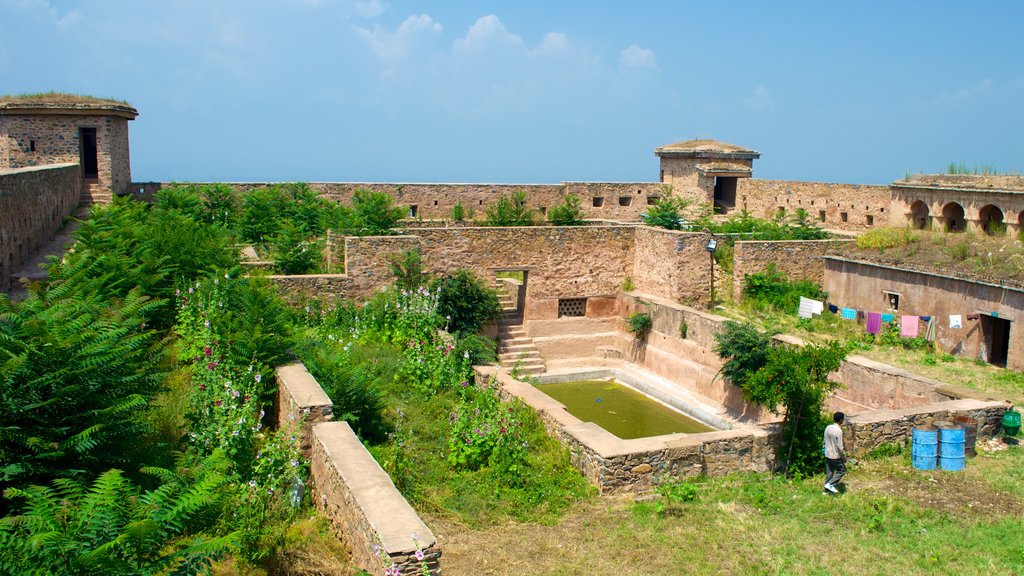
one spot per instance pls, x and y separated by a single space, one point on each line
295 252
485 432
771 289
639 323
458 212
374 213
509 210
465 302
262 212
407 269
667 212
882 239
568 213
352 376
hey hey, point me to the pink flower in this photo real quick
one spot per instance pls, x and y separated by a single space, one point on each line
208 351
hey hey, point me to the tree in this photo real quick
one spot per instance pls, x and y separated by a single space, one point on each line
465 301
667 212
374 213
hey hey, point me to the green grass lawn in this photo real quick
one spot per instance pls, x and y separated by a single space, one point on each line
892 519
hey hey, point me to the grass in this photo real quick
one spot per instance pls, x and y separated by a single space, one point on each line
58 98
998 258
891 520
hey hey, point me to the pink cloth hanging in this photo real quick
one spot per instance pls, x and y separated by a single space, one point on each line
874 324
908 327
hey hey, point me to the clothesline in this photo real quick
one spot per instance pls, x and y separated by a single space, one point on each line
873 321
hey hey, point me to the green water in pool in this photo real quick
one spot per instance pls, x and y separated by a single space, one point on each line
620 410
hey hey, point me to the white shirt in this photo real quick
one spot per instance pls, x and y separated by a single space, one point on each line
833 441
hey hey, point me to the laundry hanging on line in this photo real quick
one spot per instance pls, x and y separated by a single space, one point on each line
908 326
955 321
874 324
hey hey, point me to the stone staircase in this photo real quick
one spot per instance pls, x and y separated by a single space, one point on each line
516 350
94 193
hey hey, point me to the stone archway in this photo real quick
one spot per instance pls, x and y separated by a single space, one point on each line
991 220
953 217
919 216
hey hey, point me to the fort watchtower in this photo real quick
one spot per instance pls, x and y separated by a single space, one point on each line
706 170
55 128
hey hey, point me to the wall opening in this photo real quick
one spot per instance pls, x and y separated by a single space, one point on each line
87 153
995 334
31 145
991 218
572 307
598 201
511 286
891 300
413 209
844 216
919 216
869 220
953 216
725 194
625 200
653 199
821 215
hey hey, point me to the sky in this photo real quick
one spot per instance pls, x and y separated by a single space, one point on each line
524 91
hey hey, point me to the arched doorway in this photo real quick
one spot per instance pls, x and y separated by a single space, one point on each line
991 218
953 216
919 216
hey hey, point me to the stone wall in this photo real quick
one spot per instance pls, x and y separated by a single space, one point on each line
868 384
673 265
370 515
853 207
870 429
55 137
301 403
974 194
33 205
863 286
798 259
364 506
312 285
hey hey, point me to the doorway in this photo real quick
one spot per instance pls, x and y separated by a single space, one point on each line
87 153
995 335
511 288
725 194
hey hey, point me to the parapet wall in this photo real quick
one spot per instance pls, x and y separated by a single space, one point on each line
853 207
673 265
33 204
797 259
357 496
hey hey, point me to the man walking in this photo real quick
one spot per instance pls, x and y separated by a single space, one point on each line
835 466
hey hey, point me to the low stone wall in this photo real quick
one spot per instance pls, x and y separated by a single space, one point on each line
301 403
615 465
867 430
33 205
363 505
868 384
370 515
797 259
312 285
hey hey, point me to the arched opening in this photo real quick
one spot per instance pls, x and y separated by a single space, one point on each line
953 216
1020 222
919 216
991 218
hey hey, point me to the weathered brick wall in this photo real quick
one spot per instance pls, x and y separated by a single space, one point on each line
56 141
33 204
864 206
798 259
673 265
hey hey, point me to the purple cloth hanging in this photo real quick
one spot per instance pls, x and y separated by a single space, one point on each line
874 325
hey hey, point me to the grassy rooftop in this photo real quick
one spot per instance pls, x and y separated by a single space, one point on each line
60 98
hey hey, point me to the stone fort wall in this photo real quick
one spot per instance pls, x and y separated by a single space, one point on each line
853 207
797 259
33 204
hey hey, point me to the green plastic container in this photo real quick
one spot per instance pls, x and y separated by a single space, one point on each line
1011 422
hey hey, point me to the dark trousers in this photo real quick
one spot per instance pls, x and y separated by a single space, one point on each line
835 469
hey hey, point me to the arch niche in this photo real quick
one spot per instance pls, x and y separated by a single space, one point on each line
991 219
953 216
919 216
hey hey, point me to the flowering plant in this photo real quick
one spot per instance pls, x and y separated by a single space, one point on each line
485 431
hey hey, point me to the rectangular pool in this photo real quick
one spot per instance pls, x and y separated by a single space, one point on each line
621 410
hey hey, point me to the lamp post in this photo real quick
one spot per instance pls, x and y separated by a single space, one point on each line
712 244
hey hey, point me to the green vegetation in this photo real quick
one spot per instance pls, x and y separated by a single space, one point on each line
639 324
882 239
510 210
53 97
771 289
568 213
667 212
963 168
465 302
793 380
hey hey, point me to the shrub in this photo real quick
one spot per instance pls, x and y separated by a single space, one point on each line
485 432
568 213
374 213
407 268
458 212
744 349
352 375
509 210
181 198
465 301
639 323
771 289
683 328
667 212
295 252
882 239
262 212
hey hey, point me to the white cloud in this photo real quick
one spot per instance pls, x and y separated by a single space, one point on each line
553 43
370 8
982 87
760 100
487 32
637 57
395 45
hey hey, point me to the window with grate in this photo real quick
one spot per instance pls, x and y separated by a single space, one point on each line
572 307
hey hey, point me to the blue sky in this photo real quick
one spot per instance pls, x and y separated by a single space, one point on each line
526 91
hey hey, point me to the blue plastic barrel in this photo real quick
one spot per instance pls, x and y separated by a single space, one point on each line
924 443
951 448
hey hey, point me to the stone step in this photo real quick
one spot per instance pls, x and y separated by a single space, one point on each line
506 357
530 369
522 347
516 332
